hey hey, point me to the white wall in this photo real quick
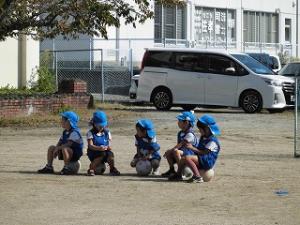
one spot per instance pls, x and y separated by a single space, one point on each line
9 62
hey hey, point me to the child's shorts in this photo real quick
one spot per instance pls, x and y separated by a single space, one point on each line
77 153
96 154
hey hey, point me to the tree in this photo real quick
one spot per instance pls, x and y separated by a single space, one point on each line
47 19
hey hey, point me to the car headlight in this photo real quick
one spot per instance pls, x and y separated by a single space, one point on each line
273 82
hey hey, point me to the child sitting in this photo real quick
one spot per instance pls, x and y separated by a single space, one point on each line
207 151
69 147
99 148
186 121
146 145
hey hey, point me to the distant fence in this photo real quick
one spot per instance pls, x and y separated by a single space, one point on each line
108 65
105 71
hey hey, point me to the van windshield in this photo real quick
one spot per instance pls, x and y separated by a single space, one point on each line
253 64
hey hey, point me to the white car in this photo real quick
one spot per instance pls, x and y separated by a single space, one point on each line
192 77
133 87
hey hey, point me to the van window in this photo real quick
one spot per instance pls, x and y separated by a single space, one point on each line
190 62
220 65
158 59
185 61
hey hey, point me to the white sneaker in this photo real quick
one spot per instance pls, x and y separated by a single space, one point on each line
156 172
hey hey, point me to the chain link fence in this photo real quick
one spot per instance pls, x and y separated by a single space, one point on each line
108 65
106 71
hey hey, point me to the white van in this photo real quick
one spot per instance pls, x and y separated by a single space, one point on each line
192 77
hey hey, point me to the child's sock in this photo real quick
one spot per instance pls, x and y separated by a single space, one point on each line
49 165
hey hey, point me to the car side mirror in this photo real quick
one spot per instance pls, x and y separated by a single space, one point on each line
230 70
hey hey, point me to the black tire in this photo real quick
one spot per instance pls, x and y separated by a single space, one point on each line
162 99
251 102
276 110
188 107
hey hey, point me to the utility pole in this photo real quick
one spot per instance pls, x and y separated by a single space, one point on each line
297 24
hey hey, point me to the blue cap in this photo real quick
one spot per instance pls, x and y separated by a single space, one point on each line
148 126
99 119
211 123
72 117
187 116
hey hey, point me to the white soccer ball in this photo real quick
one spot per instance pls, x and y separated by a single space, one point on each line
143 167
74 167
100 169
187 172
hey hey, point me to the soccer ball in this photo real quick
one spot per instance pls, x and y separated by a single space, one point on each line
74 167
187 172
100 169
143 167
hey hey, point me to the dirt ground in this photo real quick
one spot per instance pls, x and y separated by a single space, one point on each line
256 160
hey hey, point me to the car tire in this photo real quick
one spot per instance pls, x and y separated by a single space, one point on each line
188 107
251 102
162 99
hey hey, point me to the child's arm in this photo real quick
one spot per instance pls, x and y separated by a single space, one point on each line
91 146
197 150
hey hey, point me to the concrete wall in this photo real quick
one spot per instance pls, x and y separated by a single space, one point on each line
17 67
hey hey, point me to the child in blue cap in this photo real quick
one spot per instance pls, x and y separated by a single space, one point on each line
186 135
99 148
207 151
146 146
69 147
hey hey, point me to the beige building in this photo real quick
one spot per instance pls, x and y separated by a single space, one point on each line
19 58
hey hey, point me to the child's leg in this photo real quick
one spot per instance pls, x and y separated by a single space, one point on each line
51 154
192 162
67 154
177 155
95 163
134 160
111 163
181 165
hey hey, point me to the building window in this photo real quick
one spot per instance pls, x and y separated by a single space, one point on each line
261 27
288 30
169 22
215 25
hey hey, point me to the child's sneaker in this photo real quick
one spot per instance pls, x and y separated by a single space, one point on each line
155 172
66 171
175 177
114 172
90 172
46 169
168 173
195 179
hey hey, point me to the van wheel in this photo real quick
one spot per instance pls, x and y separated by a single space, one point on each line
251 102
162 99
188 107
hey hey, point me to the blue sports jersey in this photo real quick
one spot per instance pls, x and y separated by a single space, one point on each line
145 145
102 139
76 147
181 137
211 144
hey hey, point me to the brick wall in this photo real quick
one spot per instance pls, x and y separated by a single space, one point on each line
72 93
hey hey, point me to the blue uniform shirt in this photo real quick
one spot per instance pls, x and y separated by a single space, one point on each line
190 137
145 145
77 142
212 145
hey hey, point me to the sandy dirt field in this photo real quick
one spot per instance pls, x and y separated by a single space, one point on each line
256 161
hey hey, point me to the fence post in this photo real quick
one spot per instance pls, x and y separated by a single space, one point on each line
56 75
102 75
